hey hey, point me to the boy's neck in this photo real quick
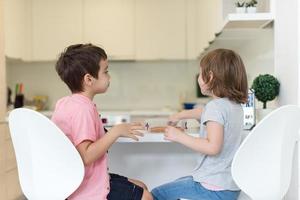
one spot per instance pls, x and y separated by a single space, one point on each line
88 95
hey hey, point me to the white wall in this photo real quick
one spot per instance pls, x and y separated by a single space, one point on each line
134 85
286 45
286 37
258 56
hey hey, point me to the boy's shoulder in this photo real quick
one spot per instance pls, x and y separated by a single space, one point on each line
74 103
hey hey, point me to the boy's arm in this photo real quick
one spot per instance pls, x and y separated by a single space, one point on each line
211 145
91 151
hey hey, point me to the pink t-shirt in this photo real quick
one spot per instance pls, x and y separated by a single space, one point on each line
78 118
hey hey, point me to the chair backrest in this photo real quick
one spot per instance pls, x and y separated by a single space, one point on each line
262 165
49 166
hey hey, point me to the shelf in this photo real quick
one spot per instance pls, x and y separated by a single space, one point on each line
248 20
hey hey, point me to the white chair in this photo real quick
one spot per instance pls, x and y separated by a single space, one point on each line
49 166
262 165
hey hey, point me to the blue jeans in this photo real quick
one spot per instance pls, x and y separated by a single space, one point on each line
187 188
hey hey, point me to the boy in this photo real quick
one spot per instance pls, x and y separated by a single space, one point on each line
84 68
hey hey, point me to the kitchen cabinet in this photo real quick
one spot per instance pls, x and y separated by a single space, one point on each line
160 29
127 29
55 25
39 30
9 181
17 29
110 24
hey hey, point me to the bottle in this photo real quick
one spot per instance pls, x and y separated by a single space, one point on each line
19 98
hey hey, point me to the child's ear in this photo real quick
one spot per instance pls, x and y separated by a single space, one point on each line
211 76
88 79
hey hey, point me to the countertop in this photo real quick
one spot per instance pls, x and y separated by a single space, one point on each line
149 137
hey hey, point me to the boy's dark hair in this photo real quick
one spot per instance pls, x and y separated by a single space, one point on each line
229 74
78 60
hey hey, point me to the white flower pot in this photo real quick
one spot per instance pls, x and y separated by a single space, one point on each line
251 9
240 9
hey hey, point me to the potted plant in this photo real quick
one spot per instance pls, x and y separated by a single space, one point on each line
251 6
240 7
266 88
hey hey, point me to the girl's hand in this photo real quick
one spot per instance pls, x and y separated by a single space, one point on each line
129 130
174 119
173 134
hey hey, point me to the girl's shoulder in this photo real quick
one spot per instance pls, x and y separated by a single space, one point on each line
222 101
222 104
218 102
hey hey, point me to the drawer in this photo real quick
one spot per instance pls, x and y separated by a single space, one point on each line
13 188
3 191
6 133
3 133
2 158
10 158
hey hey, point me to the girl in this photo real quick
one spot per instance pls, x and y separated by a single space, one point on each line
222 77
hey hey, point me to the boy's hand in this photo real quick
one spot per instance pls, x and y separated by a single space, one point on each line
173 134
129 130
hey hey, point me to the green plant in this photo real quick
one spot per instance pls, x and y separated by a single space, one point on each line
239 4
251 3
266 88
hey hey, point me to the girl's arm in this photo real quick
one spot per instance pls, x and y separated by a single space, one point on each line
92 151
186 114
211 145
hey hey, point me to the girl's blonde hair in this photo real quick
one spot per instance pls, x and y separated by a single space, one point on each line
228 72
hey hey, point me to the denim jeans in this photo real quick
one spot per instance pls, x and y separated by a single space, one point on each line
187 188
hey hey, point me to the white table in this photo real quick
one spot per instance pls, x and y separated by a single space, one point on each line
152 159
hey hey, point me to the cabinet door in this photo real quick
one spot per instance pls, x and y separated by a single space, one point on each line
9 181
13 188
2 163
110 24
55 25
160 29
17 29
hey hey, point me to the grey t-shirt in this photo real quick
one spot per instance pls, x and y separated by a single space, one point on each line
216 170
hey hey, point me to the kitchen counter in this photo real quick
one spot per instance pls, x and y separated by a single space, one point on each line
149 137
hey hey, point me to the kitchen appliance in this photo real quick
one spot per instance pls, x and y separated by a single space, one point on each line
249 111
